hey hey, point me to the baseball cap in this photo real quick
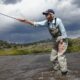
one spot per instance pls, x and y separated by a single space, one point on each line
48 11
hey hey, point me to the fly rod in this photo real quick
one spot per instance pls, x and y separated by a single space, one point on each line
8 16
21 20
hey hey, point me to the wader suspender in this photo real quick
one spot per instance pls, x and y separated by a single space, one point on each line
55 22
49 28
60 33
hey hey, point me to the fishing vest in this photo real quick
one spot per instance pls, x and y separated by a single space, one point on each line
54 31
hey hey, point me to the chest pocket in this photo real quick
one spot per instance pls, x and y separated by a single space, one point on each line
55 32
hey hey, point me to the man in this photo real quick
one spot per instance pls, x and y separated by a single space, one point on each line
59 36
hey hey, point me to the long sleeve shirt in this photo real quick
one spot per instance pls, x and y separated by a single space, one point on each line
52 26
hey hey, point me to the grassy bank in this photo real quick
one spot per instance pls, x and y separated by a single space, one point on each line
31 49
74 45
39 47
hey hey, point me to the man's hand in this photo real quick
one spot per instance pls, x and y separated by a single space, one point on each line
59 39
61 47
21 20
26 21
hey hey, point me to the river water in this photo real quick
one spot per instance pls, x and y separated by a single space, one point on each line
36 67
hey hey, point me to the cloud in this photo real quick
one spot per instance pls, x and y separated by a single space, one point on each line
10 1
32 10
19 36
74 34
76 2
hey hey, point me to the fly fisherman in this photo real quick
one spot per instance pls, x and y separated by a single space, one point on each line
59 36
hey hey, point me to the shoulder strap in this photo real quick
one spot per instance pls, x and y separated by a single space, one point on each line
48 23
55 22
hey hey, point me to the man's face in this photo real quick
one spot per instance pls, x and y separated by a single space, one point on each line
50 16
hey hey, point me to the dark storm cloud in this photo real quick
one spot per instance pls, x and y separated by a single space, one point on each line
24 28
73 26
24 34
77 2
10 1
25 37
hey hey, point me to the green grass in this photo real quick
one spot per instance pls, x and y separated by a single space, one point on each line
74 46
32 49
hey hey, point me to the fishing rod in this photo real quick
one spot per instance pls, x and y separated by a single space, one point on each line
8 16
21 20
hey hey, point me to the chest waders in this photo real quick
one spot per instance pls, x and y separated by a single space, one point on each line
59 61
54 31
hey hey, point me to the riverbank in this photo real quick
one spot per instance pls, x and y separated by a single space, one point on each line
36 47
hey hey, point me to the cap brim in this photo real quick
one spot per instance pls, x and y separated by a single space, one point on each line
45 13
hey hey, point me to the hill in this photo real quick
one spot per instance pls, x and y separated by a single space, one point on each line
35 47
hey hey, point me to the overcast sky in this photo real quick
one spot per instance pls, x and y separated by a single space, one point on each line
14 31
